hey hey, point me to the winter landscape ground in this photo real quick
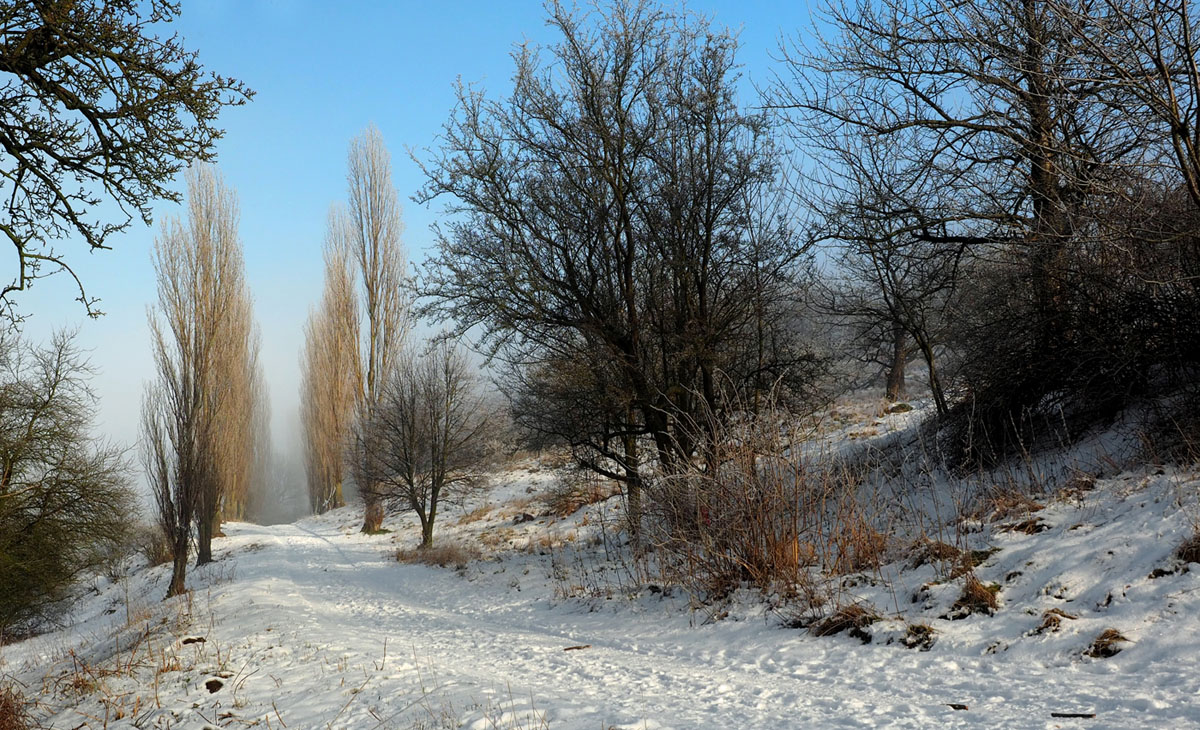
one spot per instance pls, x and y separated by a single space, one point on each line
535 621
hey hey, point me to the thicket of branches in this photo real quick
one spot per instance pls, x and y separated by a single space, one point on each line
1010 180
66 502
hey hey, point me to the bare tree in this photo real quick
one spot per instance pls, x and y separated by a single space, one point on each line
373 242
361 325
1148 54
198 418
431 434
898 287
611 208
330 374
1004 114
98 104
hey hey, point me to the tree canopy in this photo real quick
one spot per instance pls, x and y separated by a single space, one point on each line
94 107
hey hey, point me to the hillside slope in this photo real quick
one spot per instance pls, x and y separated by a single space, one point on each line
312 625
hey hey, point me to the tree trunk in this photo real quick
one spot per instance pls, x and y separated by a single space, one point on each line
178 572
427 532
204 536
895 378
935 382
373 517
633 500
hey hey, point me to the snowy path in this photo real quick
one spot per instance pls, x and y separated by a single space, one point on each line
313 625
483 641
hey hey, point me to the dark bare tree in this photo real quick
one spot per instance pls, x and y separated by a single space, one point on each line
95 105
897 286
614 207
1008 119
432 433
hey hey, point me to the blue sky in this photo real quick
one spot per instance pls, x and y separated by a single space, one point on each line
322 71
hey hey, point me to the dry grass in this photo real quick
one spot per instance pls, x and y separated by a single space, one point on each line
14 710
1189 551
497 537
1005 503
1052 620
919 636
853 618
757 514
570 494
925 551
475 515
976 597
860 545
443 555
1078 485
1106 644
1031 526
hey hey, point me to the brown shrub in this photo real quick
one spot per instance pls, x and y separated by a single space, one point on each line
1189 551
853 618
976 597
442 555
14 710
1106 644
570 493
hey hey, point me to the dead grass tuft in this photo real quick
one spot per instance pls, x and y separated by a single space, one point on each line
853 618
1189 551
1052 620
443 555
919 636
475 515
14 710
1106 644
1005 503
976 597
925 551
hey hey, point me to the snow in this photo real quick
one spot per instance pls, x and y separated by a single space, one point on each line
314 625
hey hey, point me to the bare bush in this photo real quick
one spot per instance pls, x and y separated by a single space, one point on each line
760 513
14 710
575 490
65 500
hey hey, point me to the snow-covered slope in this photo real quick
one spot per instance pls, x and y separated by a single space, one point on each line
313 625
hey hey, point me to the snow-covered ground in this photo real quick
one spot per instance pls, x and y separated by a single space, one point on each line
313 625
